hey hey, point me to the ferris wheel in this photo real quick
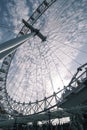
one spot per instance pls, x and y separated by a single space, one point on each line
34 77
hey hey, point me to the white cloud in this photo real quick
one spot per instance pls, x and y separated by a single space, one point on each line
18 11
62 30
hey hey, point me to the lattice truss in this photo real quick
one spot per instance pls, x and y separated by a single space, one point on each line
38 69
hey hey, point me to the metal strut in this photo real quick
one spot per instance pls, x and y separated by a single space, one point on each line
13 44
37 32
11 52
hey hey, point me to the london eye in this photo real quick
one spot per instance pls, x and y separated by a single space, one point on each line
45 76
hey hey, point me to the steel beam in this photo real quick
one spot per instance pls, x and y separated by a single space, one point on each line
13 44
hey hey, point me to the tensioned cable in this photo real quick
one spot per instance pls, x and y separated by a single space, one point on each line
48 70
58 71
56 67
75 48
71 46
78 63
35 79
62 11
44 87
43 84
70 56
68 19
72 32
35 83
67 55
20 80
28 82
22 93
12 77
63 64
36 76
18 64
19 87
25 85
52 52
46 67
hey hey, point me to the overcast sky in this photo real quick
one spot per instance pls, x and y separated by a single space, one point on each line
50 64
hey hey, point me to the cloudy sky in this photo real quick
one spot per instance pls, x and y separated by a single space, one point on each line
40 68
